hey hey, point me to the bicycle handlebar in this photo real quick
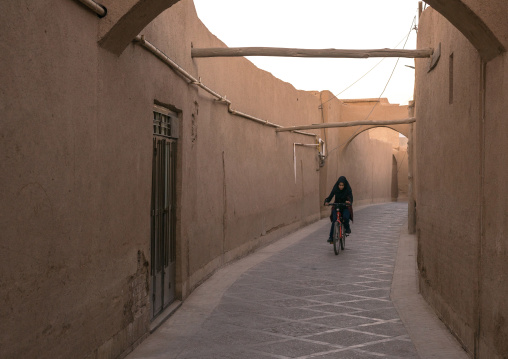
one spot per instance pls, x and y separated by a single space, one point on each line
337 204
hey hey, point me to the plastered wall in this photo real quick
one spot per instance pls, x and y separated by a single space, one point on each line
461 203
76 145
494 261
364 156
401 154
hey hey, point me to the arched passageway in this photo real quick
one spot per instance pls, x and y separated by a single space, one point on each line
376 162
355 131
400 188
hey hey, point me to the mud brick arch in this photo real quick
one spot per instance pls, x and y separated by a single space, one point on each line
402 129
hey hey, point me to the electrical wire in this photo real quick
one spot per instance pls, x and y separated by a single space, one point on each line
402 161
377 103
354 83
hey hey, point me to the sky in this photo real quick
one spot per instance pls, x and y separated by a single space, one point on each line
321 24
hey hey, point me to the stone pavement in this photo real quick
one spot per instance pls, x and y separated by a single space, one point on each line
297 299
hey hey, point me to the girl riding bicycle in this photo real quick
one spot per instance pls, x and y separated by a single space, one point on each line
343 194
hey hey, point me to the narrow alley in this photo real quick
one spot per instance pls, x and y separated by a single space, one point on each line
162 190
296 299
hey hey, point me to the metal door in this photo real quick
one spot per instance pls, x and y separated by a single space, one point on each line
163 244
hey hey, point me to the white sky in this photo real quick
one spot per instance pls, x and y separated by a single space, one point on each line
340 24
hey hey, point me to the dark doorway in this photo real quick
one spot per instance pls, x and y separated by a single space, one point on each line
163 218
395 180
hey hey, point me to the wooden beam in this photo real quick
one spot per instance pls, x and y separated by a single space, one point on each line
288 52
348 124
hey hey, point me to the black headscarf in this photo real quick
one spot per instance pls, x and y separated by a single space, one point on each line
341 196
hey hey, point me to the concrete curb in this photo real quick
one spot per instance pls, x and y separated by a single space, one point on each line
429 335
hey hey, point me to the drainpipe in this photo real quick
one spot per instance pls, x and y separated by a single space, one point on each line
303 145
197 82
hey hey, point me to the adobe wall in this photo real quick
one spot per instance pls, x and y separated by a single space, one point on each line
247 169
448 204
494 247
399 189
461 219
493 13
67 187
401 155
363 157
76 174
76 140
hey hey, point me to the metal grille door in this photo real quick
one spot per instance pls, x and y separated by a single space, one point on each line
163 243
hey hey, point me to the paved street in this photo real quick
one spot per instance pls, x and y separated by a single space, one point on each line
298 299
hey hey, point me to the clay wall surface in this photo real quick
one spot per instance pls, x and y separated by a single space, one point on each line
358 153
493 14
401 155
461 219
70 238
400 160
386 135
76 144
448 204
494 247
262 193
77 182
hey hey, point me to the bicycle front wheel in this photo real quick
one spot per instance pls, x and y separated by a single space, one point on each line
336 238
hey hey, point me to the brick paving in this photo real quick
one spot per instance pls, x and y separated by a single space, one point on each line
303 302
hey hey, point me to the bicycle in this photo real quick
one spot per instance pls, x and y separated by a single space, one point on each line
339 230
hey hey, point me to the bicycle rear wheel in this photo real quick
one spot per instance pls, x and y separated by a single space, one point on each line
336 238
343 237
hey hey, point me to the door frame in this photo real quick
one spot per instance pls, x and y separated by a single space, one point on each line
163 210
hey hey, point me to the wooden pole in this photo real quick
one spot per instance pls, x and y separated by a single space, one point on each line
411 205
347 124
288 52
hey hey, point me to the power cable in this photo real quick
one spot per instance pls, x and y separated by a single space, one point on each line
402 161
354 83
377 103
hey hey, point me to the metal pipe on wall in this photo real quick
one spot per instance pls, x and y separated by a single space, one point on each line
100 10
234 112
294 152
162 56
197 82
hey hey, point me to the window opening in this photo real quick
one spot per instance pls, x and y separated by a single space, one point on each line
165 122
450 79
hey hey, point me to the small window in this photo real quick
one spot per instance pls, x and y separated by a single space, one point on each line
450 79
165 122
